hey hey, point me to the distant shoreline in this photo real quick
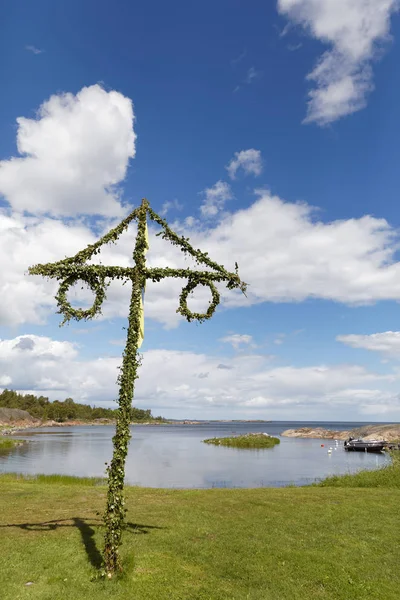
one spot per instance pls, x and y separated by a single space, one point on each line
190 422
18 426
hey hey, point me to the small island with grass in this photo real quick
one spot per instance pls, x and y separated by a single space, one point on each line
254 441
7 443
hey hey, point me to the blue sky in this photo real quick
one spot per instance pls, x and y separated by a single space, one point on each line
267 132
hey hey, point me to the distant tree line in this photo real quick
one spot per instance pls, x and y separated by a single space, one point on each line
67 410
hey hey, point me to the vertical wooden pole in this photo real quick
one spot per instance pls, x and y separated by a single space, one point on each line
114 516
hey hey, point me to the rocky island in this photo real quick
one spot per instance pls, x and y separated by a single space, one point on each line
389 433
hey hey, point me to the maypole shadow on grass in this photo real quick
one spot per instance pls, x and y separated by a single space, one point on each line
75 269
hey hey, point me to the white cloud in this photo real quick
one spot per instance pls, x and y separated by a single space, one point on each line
249 160
24 242
252 74
170 204
282 251
73 155
294 47
355 31
285 30
215 198
238 59
119 342
236 339
190 221
286 255
54 368
27 241
34 50
195 384
387 342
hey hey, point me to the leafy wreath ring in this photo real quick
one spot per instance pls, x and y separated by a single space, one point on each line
183 307
97 286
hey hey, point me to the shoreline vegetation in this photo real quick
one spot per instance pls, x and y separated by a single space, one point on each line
294 542
387 476
7 443
25 411
253 441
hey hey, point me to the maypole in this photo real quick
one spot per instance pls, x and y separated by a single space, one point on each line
71 270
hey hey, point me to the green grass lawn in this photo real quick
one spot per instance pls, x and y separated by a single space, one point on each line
249 440
338 543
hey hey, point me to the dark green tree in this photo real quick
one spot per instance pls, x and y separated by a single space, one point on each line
41 408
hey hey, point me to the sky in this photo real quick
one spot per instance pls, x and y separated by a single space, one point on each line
266 132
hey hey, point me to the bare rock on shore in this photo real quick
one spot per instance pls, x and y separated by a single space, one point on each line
318 432
389 433
13 416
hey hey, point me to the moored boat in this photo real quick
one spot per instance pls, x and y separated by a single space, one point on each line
361 445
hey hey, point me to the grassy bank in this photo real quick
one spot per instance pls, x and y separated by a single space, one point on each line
260 544
249 440
388 477
6 443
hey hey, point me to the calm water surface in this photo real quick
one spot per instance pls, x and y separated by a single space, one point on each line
170 456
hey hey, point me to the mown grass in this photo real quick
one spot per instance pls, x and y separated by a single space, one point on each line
319 542
245 441
6 443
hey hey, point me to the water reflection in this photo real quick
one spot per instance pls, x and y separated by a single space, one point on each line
174 456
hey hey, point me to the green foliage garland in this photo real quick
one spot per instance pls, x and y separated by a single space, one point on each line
183 307
71 270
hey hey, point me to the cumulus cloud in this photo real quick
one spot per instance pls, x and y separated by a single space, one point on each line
387 342
84 141
355 31
288 255
236 339
52 367
23 242
73 155
187 381
284 253
248 160
31 347
215 198
27 241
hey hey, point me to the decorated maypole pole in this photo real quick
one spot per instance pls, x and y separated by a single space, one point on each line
115 509
71 270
